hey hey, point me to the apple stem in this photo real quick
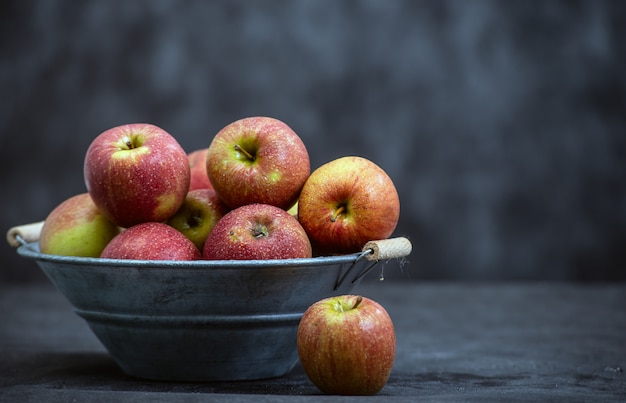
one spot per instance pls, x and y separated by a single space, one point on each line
244 152
359 299
337 213
128 142
259 231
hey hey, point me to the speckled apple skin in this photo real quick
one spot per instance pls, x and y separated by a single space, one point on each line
372 205
76 227
277 174
142 184
347 351
195 219
151 241
234 236
197 163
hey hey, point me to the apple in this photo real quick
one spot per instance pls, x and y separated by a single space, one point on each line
136 173
293 210
346 203
257 160
76 227
200 211
197 163
347 345
151 241
257 231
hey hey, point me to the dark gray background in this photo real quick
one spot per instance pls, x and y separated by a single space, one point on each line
502 123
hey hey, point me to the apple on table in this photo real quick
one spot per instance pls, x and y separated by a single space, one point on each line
151 241
257 231
257 160
346 203
76 227
200 211
347 345
136 173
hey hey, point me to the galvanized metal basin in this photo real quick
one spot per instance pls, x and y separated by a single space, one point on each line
199 320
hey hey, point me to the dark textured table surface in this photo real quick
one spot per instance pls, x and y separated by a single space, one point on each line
456 342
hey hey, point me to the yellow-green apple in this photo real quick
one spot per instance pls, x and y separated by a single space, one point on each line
197 163
136 173
293 210
346 203
200 211
257 231
151 241
76 227
347 345
257 160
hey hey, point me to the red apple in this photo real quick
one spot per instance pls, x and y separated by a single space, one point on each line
76 227
258 160
200 211
151 241
136 173
347 345
257 231
197 163
346 203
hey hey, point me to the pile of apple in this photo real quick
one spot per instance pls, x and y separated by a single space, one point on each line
249 195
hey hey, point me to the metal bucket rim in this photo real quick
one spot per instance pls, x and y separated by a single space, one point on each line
31 251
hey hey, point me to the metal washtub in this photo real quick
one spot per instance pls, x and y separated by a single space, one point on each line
201 320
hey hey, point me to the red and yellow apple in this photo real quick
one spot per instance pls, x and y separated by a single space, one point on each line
151 241
346 203
136 173
347 345
76 227
200 211
257 231
197 163
257 160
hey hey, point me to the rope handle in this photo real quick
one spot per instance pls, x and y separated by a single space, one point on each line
385 249
23 234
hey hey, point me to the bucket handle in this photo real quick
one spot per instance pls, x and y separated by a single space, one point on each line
23 234
375 251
